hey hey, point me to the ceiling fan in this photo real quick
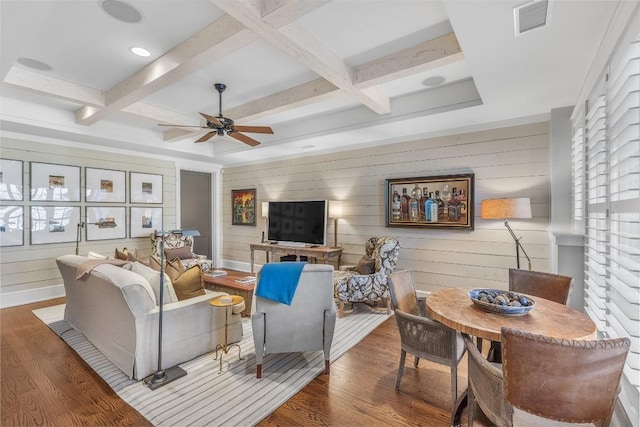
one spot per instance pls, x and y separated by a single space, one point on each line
220 124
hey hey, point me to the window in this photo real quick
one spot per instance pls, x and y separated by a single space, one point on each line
607 186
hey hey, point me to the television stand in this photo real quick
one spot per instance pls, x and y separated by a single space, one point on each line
323 253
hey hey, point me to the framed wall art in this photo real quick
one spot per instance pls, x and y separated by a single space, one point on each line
54 183
11 180
11 226
145 188
105 185
444 201
54 224
243 207
106 222
144 221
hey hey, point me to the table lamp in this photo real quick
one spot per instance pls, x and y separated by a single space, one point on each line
516 208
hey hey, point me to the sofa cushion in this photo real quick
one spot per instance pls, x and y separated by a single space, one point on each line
366 265
121 254
181 253
173 269
153 277
95 255
189 284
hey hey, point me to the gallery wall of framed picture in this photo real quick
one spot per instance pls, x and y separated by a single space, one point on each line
112 204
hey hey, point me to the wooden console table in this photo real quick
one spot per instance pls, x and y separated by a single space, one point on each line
313 252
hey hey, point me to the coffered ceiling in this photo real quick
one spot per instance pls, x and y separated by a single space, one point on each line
324 75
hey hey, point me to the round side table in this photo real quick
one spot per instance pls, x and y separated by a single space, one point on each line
226 301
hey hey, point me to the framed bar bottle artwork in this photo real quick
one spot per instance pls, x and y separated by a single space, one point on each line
444 201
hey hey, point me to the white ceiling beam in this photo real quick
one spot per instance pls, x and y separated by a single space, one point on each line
425 56
46 85
305 48
160 115
219 39
421 57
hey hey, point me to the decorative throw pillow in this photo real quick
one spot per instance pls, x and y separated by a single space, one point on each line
366 266
121 255
140 259
153 277
154 263
181 253
189 284
174 269
95 255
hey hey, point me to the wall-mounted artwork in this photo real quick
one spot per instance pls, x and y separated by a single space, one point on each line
54 224
444 201
243 207
145 188
144 221
55 183
11 180
106 222
105 185
11 226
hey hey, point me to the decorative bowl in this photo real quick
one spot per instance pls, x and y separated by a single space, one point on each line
476 294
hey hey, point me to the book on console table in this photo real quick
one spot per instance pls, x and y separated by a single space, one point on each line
246 279
215 273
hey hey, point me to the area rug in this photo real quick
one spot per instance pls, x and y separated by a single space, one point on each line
204 397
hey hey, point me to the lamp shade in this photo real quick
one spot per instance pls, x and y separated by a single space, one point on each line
190 232
335 209
506 208
265 209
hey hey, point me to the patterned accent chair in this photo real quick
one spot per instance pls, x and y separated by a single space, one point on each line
174 242
350 286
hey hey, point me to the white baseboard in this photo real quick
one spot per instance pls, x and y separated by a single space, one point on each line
12 299
240 266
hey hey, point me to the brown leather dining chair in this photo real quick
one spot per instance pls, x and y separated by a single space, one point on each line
420 335
546 381
553 287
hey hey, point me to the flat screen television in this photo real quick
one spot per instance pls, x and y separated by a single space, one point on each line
298 222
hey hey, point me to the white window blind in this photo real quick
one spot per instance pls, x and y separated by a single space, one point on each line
623 267
596 227
577 175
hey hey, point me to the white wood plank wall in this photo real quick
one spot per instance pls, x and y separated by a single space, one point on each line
29 267
507 162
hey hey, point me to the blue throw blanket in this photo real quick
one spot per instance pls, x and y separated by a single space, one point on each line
279 280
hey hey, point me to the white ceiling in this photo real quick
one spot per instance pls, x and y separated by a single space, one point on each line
325 75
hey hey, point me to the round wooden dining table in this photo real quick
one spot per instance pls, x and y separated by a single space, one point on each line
454 308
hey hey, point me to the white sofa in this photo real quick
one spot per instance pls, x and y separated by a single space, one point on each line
116 310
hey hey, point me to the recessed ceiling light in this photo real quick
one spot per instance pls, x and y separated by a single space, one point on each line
433 81
140 51
35 64
121 11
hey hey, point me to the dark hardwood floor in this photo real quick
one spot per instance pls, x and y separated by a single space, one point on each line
45 383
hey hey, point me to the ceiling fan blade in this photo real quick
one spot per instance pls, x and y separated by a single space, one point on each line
211 119
183 126
207 136
243 138
253 129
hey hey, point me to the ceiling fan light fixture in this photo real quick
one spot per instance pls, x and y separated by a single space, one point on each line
139 51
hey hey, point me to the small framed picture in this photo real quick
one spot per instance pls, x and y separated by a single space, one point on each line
105 185
144 221
145 188
106 222
11 180
54 183
54 224
11 226
243 207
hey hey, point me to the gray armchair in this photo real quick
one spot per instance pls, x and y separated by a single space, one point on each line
305 325
420 335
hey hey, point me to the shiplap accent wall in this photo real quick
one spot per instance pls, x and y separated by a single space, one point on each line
32 268
507 162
